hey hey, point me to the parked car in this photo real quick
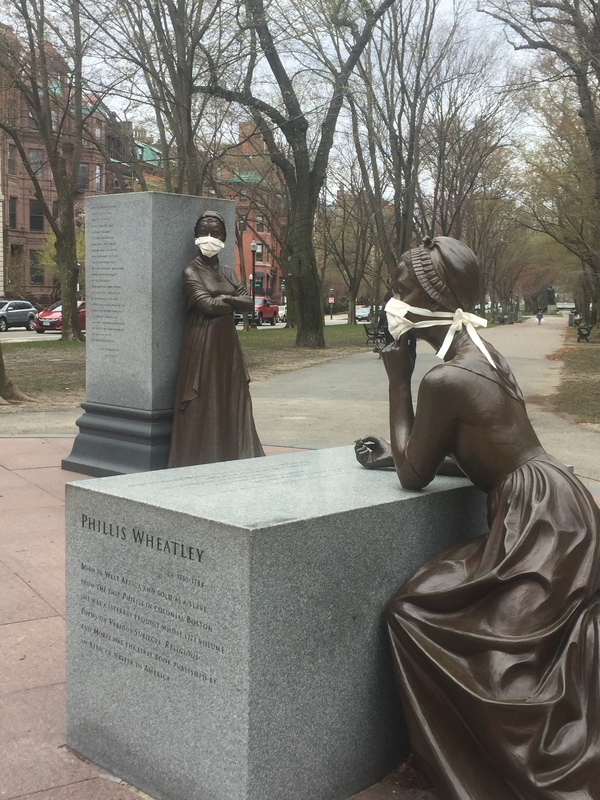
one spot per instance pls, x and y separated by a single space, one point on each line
50 319
17 314
264 309
282 313
362 314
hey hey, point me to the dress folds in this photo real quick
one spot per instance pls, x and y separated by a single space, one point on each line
496 647
213 410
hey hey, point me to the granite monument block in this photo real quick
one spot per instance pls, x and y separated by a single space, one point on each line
225 638
136 248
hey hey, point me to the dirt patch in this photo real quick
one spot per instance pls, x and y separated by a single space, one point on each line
548 402
264 364
52 373
559 355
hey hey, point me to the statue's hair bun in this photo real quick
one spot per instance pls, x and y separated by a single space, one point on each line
428 242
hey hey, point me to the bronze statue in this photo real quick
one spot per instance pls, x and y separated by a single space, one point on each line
213 411
496 642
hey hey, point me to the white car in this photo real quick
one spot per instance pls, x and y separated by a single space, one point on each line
362 313
282 316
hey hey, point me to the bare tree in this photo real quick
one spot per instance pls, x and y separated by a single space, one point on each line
470 116
158 56
557 192
41 58
388 100
568 31
348 236
304 54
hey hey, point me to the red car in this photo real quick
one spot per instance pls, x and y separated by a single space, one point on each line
50 319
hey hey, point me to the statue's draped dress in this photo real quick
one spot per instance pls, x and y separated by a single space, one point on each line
496 643
213 411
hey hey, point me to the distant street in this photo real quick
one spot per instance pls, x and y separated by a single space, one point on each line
20 335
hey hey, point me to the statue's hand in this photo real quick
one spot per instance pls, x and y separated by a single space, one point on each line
372 452
399 357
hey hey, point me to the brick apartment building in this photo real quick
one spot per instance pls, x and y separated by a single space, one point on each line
25 229
247 176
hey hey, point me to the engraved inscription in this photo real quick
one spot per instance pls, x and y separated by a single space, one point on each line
106 278
163 631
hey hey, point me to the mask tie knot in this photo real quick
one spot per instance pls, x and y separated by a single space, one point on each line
398 325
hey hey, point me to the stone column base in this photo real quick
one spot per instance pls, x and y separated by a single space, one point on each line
114 440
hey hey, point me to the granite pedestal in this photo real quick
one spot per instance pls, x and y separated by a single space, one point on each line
224 622
136 248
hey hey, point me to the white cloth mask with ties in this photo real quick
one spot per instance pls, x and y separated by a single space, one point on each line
396 311
209 246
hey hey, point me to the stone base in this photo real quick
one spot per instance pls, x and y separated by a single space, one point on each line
225 633
114 441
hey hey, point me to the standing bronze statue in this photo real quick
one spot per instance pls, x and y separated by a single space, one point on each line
496 642
213 411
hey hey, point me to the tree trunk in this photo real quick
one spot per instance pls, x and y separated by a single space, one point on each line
9 393
68 270
306 287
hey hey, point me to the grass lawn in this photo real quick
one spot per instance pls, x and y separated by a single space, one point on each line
54 371
579 392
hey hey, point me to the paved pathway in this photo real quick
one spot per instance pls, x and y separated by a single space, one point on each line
334 403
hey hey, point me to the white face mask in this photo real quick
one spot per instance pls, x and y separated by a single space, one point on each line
396 311
209 246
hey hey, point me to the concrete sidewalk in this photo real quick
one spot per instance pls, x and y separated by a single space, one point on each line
322 406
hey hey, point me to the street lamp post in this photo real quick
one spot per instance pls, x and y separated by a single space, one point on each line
253 249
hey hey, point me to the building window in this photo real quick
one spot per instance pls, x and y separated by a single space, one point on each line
36 216
12 212
99 176
55 211
36 162
12 159
260 225
54 86
115 147
98 132
82 178
259 251
36 270
32 120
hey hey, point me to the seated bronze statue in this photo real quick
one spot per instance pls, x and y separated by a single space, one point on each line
496 642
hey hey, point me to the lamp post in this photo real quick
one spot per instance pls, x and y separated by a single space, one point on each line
253 249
